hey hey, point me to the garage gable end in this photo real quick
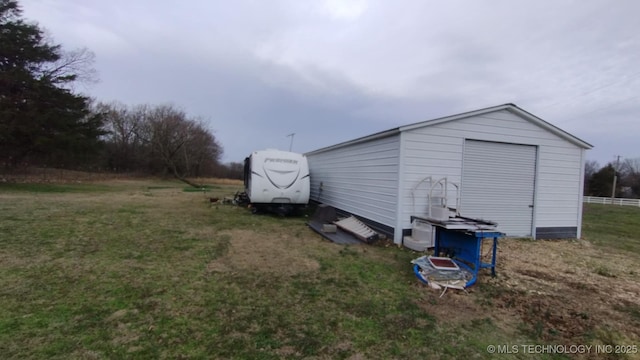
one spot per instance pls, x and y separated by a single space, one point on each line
511 108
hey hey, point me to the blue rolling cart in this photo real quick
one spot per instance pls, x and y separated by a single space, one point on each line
462 241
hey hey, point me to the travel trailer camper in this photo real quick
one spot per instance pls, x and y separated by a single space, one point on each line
276 180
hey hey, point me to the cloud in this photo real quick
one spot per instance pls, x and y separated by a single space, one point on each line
345 9
334 70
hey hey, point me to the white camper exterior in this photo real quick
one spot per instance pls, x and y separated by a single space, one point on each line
276 178
511 166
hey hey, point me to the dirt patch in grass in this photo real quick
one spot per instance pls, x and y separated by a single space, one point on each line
276 254
454 307
563 292
555 290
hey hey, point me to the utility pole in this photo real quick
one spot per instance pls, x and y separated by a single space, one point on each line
291 144
615 180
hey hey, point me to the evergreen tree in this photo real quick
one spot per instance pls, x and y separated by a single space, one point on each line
41 120
600 183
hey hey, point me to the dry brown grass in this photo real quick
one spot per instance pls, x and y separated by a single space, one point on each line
254 252
567 291
219 181
35 175
38 175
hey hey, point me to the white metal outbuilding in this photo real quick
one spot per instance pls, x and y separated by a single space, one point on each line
512 167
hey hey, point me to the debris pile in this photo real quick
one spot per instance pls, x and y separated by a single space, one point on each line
436 273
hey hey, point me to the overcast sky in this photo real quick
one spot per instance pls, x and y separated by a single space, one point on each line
334 70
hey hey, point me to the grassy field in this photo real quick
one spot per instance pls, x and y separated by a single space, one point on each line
147 269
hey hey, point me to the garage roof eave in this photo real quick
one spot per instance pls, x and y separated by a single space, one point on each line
379 135
512 108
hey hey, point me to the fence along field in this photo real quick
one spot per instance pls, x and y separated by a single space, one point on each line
610 201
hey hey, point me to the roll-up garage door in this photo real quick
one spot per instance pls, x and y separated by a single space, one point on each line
498 184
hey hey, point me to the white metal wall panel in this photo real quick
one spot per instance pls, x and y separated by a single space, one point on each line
426 155
498 182
361 178
559 179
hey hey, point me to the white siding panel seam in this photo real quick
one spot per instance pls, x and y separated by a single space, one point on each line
398 221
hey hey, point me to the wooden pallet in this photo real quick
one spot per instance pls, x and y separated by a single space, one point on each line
357 228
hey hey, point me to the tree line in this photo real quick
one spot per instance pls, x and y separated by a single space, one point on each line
43 122
599 181
157 140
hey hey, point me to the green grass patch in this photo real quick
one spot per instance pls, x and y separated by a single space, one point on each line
612 226
631 309
604 271
159 187
203 188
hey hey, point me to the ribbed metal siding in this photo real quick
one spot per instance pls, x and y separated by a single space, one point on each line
361 179
498 182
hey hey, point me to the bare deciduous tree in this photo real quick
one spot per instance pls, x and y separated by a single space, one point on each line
630 176
159 139
123 125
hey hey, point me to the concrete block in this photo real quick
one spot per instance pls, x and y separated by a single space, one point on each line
329 228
